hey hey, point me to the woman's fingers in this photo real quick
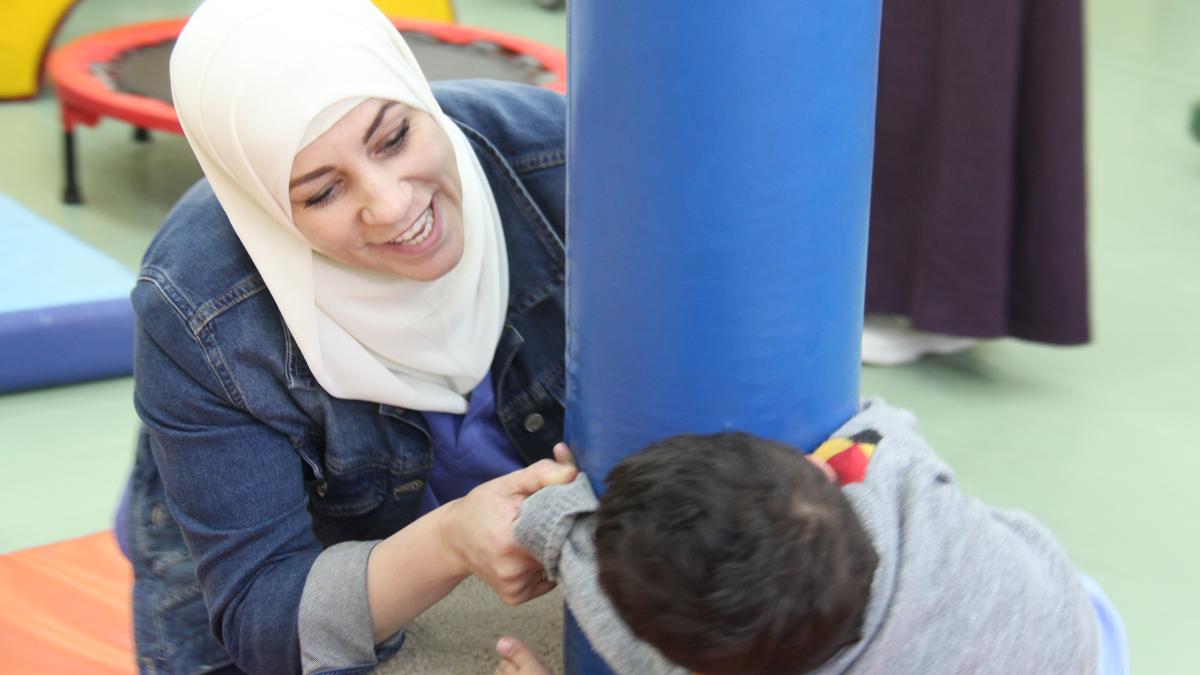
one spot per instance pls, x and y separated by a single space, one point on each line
532 584
563 454
536 585
536 476
539 589
480 524
481 531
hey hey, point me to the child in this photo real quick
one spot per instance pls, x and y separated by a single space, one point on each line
733 554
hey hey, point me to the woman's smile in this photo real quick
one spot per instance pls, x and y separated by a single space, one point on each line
422 236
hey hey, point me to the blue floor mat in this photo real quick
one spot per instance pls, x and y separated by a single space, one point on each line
64 307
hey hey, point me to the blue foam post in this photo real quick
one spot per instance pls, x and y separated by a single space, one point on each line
719 167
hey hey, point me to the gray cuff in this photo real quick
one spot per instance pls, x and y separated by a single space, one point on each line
335 619
546 517
605 630
555 525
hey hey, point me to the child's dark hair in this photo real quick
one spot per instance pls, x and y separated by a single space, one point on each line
733 554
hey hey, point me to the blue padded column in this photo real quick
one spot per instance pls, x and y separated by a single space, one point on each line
719 184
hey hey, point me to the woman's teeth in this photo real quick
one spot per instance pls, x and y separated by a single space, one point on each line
419 231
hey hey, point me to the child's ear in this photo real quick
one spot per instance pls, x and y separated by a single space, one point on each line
823 466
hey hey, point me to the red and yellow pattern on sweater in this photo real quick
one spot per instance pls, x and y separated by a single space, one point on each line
849 457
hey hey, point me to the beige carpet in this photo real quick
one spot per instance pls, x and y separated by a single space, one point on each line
458 635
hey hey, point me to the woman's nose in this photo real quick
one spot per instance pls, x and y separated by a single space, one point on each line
387 201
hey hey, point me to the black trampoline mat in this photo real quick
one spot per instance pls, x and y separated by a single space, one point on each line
144 70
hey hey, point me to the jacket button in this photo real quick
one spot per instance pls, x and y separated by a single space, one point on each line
406 488
322 489
534 422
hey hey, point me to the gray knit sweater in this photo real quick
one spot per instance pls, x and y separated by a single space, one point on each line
961 588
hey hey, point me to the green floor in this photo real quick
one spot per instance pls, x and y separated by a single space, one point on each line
1094 440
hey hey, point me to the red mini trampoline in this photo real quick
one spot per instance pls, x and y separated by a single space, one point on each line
123 73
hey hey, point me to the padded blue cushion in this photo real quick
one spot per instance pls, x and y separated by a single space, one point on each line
64 307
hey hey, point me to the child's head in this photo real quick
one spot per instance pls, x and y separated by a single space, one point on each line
733 554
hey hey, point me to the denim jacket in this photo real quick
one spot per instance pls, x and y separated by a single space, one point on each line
247 470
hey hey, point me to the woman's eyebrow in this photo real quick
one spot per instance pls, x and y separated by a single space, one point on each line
378 120
310 176
366 137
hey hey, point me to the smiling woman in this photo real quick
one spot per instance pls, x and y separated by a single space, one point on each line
336 362
385 194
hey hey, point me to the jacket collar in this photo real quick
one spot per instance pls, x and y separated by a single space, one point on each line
536 254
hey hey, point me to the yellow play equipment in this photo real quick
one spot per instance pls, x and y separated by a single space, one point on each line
28 26
433 10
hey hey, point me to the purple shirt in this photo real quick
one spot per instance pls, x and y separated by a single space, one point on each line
468 449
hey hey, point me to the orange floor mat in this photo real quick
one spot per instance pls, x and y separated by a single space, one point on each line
64 608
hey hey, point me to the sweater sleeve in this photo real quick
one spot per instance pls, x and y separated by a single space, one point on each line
335 628
557 526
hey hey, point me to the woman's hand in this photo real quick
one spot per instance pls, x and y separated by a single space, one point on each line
563 455
480 531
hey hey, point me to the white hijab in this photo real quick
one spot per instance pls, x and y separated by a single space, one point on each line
254 81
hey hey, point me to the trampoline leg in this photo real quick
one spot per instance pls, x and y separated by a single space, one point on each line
141 135
71 192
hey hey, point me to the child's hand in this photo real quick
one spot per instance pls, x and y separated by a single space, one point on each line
515 657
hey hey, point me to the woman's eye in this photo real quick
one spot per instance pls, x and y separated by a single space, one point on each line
396 140
321 198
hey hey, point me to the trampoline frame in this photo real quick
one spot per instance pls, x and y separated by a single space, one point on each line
85 99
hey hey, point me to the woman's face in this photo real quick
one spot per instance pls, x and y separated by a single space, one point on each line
380 190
